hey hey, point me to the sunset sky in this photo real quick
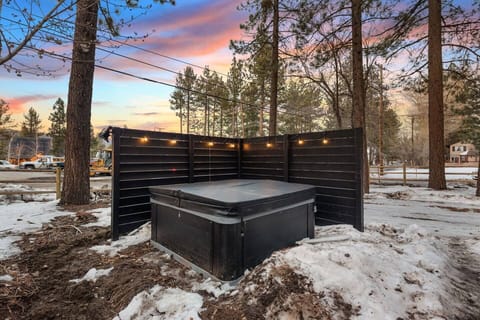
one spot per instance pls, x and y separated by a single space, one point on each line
196 31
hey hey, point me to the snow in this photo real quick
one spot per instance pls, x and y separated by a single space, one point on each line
384 271
398 268
11 187
450 213
21 217
451 173
163 303
135 237
213 287
93 274
6 278
103 216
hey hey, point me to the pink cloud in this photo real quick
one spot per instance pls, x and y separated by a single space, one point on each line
20 104
210 14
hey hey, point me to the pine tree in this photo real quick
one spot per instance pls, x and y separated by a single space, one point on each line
58 127
436 140
6 120
181 100
32 123
76 186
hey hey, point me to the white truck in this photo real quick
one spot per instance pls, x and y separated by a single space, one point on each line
42 162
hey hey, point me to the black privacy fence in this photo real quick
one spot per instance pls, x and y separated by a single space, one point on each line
329 160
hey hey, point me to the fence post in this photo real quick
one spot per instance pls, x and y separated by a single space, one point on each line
404 173
58 181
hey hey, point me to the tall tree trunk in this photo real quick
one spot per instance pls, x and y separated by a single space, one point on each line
221 121
213 117
205 116
274 84
436 157
262 104
336 98
358 107
181 119
76 184
188 112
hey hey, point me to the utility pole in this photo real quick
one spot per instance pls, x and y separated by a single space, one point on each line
412 120
380 124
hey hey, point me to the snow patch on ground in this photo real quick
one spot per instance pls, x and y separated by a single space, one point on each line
163 303
21 217
385 272
448 213
213 287
93 274
463 195
10 187
137 236
103 216
6 278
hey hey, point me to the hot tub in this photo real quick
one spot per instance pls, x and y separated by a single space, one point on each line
224 227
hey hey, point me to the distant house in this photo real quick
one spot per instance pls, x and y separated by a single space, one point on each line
463 153
25 148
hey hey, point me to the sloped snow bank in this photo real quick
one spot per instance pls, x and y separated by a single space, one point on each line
384 273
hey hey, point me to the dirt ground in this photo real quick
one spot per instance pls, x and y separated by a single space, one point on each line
58 253
50 258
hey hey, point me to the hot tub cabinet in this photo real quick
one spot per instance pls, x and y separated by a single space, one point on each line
225 227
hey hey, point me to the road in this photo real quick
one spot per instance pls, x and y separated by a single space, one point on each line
45 180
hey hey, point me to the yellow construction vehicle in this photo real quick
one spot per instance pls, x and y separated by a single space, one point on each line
102 163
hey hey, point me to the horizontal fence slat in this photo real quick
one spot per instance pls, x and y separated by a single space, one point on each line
326 160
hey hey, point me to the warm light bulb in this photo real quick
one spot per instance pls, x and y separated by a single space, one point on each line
300 142
269 145
173 141
210 144
325 141
144 139
231 145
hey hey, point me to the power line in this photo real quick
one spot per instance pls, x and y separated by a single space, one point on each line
152 80
134 46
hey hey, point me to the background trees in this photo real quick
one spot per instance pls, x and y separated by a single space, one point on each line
32 123
58 127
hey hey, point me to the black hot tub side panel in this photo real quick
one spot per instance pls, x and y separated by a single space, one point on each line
226 246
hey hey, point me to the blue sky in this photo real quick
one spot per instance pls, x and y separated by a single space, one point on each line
197 31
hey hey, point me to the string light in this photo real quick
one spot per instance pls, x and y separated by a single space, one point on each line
210 144
231 145
173 141
325 140
144 139
269 145
301 142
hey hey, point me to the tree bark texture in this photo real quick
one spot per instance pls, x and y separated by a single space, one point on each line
76 183
274 77
435 98
358 107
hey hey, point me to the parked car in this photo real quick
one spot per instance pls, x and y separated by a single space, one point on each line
4 164
43 162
